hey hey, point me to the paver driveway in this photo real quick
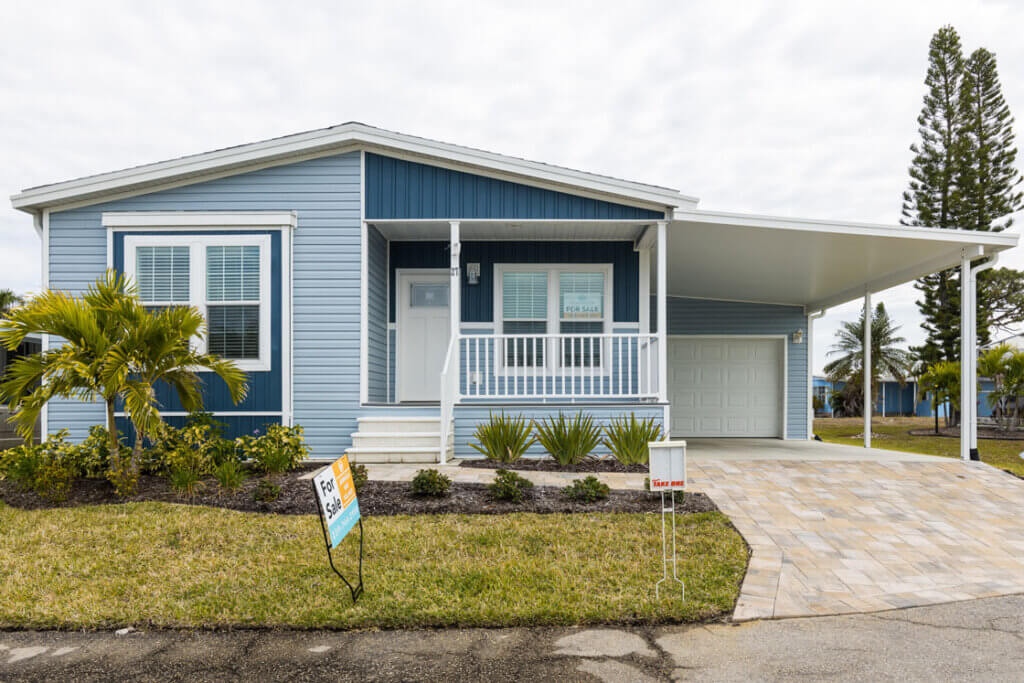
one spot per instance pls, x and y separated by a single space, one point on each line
832 537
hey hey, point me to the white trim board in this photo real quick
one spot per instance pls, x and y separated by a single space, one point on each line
217 220
336 140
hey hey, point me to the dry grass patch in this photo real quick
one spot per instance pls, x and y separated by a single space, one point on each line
169 565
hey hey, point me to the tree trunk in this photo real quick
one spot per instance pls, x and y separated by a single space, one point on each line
114 443
935 407
137 452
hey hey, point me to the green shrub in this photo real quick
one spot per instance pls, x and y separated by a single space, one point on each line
359 477
197 446
569 441
430 483
121 476
20 465
589 490
627 439
504 439
185 481
278 449
266 491
510 486
48 468
92 456
229 475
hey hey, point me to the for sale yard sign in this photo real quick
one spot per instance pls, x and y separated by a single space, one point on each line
337 495
667 465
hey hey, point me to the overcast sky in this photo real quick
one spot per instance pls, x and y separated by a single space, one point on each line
789 108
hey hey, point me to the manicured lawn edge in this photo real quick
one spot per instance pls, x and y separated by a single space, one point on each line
159 565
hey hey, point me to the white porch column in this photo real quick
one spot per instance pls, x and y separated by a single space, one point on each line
645 291
966 310
663 313
455 290
869 398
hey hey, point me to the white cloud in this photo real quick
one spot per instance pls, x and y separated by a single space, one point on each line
801 108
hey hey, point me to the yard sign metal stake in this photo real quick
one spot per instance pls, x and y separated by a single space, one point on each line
338 511
667 465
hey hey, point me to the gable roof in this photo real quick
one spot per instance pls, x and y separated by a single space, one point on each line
335 140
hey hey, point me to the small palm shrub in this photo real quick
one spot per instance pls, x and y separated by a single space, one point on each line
589 490
627 439
185 480
278 449
510 486
569 441
503 438
229 475
430 483
359 477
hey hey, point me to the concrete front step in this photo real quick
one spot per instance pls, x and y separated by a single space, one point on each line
394 454
393 439
378 424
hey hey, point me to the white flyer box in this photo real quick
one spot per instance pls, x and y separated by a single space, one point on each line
667 465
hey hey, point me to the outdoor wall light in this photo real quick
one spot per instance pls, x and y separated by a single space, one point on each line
472 273
798 337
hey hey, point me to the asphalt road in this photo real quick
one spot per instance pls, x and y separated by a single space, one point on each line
978 640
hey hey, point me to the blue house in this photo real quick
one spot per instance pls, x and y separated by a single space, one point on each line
388 292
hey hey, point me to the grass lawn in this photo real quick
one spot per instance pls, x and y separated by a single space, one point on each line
158 564
891 433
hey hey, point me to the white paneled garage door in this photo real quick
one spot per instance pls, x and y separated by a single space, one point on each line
725 386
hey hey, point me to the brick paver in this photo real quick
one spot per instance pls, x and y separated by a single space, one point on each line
842 537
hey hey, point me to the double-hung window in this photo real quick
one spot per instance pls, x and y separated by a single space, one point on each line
225 277
553 316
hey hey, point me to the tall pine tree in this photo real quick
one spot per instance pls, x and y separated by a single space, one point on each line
931 198
988 179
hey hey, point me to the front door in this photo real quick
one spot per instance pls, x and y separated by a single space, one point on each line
423 331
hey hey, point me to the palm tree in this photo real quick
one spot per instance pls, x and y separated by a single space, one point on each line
8 300
157 348
943 381
114 349
886 357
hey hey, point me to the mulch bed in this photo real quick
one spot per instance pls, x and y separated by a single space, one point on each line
589 464
377 498
983 433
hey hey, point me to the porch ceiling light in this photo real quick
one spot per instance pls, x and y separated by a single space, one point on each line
798 336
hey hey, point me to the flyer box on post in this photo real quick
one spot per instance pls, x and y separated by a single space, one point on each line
336 493
667 465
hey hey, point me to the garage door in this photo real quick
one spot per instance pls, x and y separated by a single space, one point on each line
725 387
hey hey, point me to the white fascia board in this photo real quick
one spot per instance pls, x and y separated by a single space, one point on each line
913 272
337 139
199 219
998 240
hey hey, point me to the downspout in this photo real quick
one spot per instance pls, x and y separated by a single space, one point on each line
810 370
973 358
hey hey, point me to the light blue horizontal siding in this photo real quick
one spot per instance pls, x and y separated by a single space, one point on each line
467 417
325 194
702 316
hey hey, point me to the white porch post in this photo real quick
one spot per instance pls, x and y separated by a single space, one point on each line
965 354
869 398
663 313
455 290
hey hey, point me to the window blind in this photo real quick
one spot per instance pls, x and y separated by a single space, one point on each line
525 296
233 273
162 274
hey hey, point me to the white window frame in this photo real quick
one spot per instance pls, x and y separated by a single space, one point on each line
197 245
552 358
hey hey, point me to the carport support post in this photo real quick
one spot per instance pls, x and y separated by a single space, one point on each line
966 355
868 397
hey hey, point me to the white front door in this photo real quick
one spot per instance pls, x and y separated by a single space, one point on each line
726 386
423 331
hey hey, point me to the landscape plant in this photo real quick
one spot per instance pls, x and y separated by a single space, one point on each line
510 486
266 491
278 449
587 490
502 438
359 477
568 441
229 475
431 484
48 468
627 438
942 379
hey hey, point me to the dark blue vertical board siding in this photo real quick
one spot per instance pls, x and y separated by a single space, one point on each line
478 300
377 316
396 188
704 316
234 425
264 387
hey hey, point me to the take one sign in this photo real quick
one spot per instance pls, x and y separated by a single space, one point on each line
667 465
337 495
